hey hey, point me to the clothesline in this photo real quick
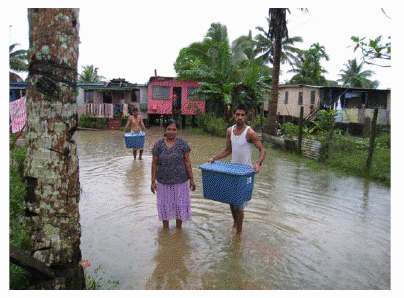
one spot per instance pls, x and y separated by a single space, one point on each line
18 115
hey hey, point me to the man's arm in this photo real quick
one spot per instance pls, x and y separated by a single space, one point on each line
253 138
142 124
227 150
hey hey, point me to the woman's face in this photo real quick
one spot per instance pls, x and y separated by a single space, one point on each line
171 131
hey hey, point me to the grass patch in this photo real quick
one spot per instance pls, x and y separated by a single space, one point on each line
348 155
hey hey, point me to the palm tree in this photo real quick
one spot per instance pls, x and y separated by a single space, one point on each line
18 62
51 166
252 73
308 68
227 74
265 47
90 75
277 31
353 76
210 62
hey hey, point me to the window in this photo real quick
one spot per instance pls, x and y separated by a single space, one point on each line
300 100
193 93
286 97
88 96
312 97
161 92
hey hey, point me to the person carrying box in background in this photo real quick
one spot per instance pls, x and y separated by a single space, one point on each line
239 140
135 123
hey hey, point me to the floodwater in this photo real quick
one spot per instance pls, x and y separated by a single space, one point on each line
303 229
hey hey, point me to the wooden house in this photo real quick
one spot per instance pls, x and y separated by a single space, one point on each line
111 100
17 90
355 104
170 98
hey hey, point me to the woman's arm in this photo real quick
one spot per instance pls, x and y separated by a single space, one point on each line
153 186
189 171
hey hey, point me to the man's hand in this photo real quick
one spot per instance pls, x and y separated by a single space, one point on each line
257 168
153 187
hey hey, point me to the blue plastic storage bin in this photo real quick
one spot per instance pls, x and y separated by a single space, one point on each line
134 140
227 182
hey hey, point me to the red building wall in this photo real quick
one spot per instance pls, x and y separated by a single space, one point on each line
160 106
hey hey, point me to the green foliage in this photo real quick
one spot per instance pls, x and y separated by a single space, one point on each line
18 278
308 68
227 75
88 121
383 141
212 124
18 59
123 123
18 236
349 154
374 49
257 122
353 76
324 121
97 282
90 75
290 129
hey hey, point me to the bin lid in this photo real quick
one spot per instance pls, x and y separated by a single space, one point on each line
227 168
134 134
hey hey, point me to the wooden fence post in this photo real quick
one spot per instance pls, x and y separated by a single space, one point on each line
372 140
299 141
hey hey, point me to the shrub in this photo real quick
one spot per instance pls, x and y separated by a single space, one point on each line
88 121
290 129
18 236
383 141
213 125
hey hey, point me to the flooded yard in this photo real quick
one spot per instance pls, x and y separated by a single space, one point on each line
303 229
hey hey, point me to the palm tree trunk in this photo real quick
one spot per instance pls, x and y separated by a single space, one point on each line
52 166
270 127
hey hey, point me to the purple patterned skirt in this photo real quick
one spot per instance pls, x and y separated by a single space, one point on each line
173 201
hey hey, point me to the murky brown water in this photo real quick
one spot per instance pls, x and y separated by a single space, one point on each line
303 229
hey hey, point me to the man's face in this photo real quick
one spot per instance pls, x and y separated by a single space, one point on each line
240 116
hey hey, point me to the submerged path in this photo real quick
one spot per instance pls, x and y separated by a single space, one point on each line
303 229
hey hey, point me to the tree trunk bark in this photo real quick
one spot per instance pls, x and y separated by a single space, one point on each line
52 166
270 127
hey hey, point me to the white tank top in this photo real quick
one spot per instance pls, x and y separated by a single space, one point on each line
241 149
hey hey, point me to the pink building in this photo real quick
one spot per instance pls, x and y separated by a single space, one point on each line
166 96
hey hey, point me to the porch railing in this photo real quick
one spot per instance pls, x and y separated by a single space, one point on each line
100 110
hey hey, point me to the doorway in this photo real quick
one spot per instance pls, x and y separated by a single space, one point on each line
177 95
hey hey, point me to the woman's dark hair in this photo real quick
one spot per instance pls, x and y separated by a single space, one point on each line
169 122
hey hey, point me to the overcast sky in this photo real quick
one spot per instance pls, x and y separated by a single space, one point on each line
131 39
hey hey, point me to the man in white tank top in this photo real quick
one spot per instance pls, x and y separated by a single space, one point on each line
239 140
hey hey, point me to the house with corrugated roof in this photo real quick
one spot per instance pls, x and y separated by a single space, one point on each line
356 104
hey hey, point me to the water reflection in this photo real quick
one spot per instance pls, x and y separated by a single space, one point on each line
171 271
